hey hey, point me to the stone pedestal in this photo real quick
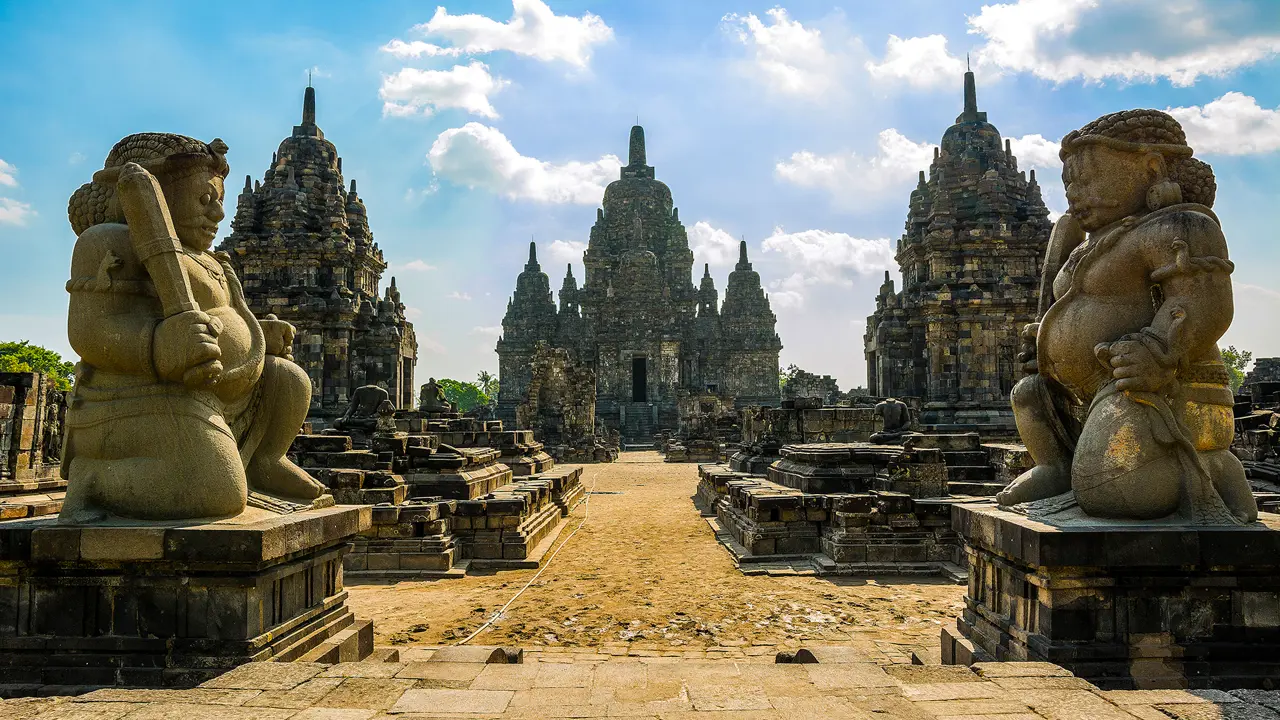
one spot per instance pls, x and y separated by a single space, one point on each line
175 604
1125 605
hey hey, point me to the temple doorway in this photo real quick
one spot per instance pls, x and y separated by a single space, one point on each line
639 380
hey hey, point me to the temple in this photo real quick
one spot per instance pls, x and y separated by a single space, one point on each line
301 244
638 321
970 261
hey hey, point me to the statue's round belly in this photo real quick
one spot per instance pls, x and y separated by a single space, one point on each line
235 341
1069 332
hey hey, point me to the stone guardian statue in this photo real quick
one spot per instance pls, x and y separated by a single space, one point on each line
183 399
1127 407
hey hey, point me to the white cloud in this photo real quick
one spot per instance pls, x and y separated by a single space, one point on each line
422 92
822 256
920 61
479 156
712 245
566 251
490 330
1234 124
788 293
418 48
415 266
14 212
455 295
534 30
1036 151
851 179
75 158
8 174
789 58
1181 41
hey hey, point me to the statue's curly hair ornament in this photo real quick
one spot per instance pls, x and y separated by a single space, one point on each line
1143 131
162 154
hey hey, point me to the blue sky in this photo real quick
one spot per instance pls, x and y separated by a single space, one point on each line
474 127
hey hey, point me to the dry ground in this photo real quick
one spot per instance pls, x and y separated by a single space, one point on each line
646 570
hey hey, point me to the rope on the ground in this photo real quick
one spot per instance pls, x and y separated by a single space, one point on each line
586 497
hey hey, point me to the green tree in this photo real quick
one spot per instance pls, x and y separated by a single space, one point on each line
22 356
786 375
465 396
488 384
1236 361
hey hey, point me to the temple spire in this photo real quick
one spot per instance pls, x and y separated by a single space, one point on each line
742 253
637 154
706 270
970 94
533 256
569 272
309 106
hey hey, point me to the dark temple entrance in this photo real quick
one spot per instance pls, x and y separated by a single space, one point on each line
639 380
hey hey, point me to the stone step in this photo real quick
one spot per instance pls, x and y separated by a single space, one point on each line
351 644
970 473
979 489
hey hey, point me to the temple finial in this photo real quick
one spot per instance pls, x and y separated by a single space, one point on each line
966 63
569 271
353 186
706 270
248 184
309 106
533 253
970 94
742 252
636 156
886 276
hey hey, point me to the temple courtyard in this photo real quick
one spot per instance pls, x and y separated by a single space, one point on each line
645 576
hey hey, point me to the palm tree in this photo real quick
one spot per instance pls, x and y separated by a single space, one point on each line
488 383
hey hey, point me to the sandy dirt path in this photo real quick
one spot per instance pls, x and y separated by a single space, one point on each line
646 572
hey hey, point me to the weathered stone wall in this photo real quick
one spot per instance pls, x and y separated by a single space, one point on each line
32 413
804 384
560 401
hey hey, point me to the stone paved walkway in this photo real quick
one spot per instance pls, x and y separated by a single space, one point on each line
590 685
646 575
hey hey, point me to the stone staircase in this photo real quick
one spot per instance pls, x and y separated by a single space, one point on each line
639 428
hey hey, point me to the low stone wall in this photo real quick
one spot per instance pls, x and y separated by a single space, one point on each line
877 531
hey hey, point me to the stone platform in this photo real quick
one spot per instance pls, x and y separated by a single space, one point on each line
508 528
865 533
174 604
1125 606
579 683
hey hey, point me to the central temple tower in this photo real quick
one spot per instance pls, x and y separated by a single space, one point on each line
639 321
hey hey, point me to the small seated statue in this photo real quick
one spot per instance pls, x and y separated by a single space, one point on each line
183 400
895 417
362 411
432 400
1127 407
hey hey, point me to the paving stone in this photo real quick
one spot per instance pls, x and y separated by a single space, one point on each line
371 693
266 676
563 676
197 696
364 670
302 696
727 697
477 654
1269 698
985 706
549 697
70 711
453 701
1019 669
851 675
444 674
951 691
506 677
334 714
1043 683
1070 705
821 707
930 674
187 711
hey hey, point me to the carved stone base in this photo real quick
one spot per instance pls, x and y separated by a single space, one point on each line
172 605
1126 605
